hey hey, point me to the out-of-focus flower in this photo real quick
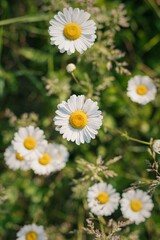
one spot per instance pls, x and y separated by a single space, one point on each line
102 198
29 142
141 89
14 160
53 159
31 232
136 205
71 30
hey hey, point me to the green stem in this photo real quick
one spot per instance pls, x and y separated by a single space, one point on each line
74 77
42 17
102 229
134 139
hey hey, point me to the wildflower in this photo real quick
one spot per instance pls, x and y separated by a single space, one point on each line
70 67
31 232
141 89
14 160
156 146
71 30
78 120
29 142
103 200
136 205
53 159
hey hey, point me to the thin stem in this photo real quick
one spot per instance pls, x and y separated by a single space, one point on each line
42 17
74 77
125 134
135 139
102 228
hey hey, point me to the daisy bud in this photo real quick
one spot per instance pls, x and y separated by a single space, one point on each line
70 68
156 146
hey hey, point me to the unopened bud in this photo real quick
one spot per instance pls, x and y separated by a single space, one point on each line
70 67
156 146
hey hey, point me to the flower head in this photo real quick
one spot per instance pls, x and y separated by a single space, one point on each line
14 160
102 198
156 146
136 205
70 67
29 142
71 30
31 232
78 120
53 159
141 89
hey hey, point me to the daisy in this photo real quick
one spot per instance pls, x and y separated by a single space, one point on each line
14 160
29 142
31 232
102 198
156 146
71 30
141 89
78 119
136 205
53 159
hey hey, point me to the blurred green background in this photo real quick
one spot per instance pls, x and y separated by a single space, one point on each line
33 80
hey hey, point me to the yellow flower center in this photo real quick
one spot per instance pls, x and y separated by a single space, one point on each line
19 157
141 89
31 236
30 143
103 197
136 205
78 119
45 159
72 31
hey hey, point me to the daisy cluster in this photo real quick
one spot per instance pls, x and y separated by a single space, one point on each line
30 150
103 200
78 120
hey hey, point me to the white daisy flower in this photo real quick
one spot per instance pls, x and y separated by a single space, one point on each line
70 67
156 146
53 159
29 142
31 232
78 120
141 89
103 199
71 30
136 205
14 160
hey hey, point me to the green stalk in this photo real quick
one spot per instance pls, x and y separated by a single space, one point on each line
42 17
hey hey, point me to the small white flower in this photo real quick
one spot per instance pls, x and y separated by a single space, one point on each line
141 89
29 142
71 30
31 232
78 120
14 160
156 146
136 205
53 159
70 68
102 198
